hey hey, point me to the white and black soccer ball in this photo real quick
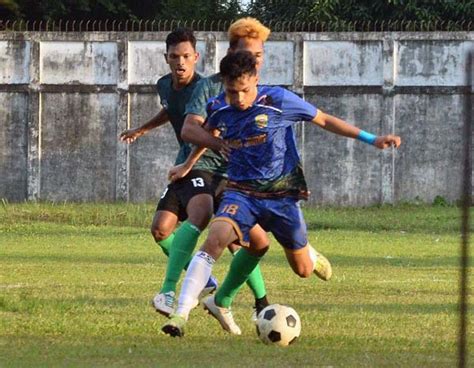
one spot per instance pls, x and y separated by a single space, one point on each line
278 324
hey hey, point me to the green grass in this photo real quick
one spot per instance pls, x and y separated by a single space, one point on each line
76 281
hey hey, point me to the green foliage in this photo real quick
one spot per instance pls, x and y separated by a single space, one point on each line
266 10
200 9
440 201
71 9
124 9
363 10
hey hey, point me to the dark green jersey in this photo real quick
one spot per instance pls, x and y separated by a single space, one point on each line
205 89
174 102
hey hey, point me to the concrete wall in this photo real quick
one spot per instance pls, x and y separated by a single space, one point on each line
64 98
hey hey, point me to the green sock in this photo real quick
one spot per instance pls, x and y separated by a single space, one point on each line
165 244
256 284
185 239
243 265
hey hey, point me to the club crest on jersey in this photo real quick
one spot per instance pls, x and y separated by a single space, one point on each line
164 103
222 127
261 120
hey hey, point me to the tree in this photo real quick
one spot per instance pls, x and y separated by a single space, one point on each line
268 11
362 10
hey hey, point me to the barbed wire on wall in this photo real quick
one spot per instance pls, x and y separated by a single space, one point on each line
222 26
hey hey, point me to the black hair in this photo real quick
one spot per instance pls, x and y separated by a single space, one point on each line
236 64
180 35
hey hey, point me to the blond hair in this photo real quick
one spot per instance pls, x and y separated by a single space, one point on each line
247 28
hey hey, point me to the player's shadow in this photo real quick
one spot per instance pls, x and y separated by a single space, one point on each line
435 262
28 303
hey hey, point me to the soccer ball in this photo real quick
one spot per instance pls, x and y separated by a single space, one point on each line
278 324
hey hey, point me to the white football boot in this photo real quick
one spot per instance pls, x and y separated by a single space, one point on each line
223 315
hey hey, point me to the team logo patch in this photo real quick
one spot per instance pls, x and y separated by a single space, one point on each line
261 121
222 127
164 103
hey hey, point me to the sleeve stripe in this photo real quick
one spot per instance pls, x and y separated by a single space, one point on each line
270 107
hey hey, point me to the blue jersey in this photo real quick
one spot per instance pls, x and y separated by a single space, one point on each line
264 160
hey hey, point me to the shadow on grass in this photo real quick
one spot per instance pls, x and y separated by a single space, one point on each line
26 303
337 261
395 309
81 258
383 261
59 230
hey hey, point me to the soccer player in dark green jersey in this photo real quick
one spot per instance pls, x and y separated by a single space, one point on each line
190 199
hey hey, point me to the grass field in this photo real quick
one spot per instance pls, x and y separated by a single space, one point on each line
77 280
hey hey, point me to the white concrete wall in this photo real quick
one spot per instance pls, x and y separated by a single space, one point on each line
14 62
343 63
66 96
78 63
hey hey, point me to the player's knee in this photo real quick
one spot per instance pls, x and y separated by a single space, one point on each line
199 210
258 252
213 246
214 242
159 234
200 219
233 247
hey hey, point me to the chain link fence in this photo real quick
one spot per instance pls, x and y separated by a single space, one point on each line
91 25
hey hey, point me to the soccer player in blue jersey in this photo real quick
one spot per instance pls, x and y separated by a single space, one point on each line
265 175
244 34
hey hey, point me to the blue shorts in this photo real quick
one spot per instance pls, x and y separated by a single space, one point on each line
280 216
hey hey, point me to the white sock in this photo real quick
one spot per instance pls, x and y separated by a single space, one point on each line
198 273
312 255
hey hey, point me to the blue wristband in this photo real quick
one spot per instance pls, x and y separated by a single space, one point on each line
366 137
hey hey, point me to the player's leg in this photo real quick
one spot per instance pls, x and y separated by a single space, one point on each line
306 261
221 234
289 228
164 223
233 221
165 220
199 211
196 207
244 264
167 215
235 278
260 244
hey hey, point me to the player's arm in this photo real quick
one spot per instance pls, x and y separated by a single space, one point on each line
195 132
180 171
130 135
340 127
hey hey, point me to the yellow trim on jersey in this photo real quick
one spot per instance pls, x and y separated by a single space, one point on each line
236 228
